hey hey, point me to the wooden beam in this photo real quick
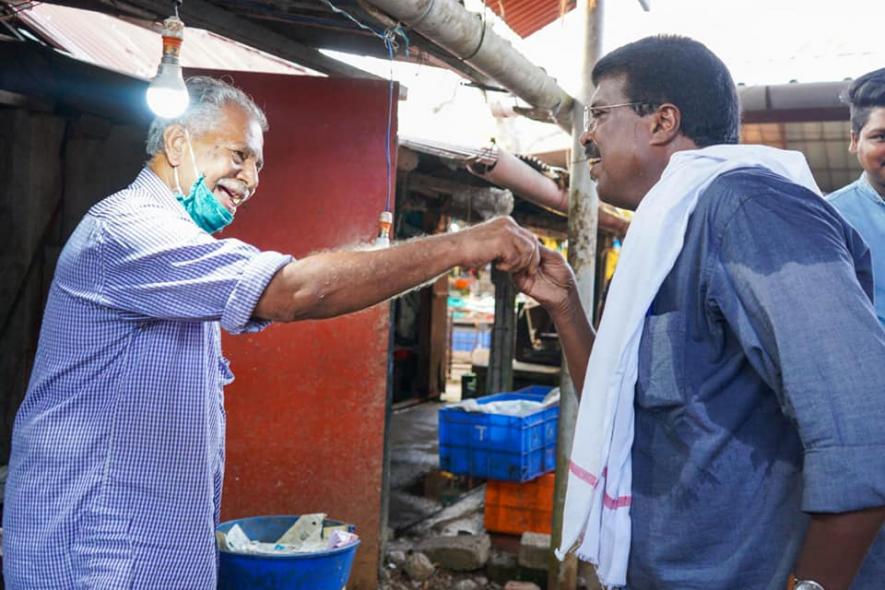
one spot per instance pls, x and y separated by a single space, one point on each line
500 373
52 78
228 24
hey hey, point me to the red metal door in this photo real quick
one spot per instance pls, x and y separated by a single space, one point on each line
305 415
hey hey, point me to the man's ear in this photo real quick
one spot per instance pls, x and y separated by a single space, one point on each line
174 144
852 146
666 124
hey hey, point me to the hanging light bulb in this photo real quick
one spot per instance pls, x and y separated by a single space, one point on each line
167 95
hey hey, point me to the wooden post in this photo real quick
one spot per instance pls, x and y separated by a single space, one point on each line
500 373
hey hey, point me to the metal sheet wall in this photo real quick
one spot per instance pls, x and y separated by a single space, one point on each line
305 415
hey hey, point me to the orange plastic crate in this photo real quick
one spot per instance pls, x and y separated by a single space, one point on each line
517 508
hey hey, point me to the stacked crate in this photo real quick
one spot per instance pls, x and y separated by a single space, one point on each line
518 508
512 452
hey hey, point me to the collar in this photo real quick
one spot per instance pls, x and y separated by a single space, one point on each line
867 190
148 181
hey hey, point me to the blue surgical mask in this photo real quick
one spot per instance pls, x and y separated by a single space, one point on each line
202 206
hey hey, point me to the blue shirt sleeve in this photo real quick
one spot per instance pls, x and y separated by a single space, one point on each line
157 266
793 282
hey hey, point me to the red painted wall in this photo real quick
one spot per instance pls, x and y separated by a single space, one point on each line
305 415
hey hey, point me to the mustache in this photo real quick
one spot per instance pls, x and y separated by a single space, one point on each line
591 151
235 186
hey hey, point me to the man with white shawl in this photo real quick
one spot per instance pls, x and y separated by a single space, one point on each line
731 433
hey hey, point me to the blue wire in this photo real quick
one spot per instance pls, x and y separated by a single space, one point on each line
388 36
389 43
352 18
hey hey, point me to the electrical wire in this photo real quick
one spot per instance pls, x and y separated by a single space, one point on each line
388 36
19 8
388 42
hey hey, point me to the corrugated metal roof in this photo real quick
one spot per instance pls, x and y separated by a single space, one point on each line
445 150
824 143
132 49
527 16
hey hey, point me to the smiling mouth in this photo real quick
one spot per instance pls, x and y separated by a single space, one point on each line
232 199
593 163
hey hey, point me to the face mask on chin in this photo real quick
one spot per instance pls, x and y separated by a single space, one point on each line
203 207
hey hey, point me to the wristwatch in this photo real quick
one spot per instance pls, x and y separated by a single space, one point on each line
795 583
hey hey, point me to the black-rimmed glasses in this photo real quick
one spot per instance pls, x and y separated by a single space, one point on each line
592 113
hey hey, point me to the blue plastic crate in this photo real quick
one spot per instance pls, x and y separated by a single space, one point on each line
468 339
494 446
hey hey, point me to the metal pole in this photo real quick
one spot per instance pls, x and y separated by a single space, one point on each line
499 376
582 227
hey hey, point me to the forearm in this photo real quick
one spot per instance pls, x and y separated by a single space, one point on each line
576 336
835 546
333 283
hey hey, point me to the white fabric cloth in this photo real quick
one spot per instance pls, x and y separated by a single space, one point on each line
516 407
596 521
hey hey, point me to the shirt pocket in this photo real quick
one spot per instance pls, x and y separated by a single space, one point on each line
661 378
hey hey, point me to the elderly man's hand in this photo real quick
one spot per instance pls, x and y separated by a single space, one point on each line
552 283
501 241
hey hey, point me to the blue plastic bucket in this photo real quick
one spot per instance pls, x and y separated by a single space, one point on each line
328 570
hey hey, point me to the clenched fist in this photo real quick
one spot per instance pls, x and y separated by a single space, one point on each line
501 241
551 283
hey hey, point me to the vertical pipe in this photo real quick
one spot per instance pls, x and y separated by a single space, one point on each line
582 228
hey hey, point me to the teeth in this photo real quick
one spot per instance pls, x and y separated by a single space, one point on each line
594 161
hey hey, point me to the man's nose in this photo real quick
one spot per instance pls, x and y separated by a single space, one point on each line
249 174
590 148
586 137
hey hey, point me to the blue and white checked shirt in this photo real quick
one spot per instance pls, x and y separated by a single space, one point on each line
118 448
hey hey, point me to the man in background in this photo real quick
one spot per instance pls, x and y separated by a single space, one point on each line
862 203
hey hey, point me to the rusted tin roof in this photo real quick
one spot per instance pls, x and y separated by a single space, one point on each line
135 49
527 16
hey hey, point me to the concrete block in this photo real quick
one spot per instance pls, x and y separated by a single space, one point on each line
460 553
534 551
418 566
502 567
397 558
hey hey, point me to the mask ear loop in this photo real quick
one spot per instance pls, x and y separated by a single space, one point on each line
190 149
177 183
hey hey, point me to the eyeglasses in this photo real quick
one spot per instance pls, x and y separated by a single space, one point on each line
592 114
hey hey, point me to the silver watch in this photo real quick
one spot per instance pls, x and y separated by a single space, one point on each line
807 585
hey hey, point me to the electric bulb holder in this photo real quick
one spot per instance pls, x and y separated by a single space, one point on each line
173 27
167 94
173 36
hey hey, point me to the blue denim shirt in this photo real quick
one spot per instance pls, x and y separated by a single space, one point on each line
761 392
864 209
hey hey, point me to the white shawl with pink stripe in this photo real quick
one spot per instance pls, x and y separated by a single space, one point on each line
596 521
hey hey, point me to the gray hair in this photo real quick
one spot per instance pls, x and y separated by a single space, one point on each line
208 96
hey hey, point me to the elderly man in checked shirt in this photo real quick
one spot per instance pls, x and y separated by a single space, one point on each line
118 448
